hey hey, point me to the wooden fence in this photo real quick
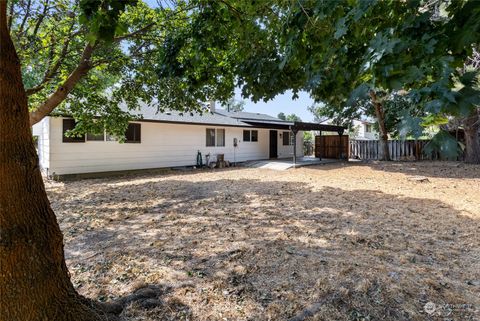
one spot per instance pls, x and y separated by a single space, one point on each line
330 146
399 149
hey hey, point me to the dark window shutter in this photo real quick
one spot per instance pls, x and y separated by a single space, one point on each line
133 133
69 124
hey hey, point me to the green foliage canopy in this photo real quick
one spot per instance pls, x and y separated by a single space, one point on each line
98 60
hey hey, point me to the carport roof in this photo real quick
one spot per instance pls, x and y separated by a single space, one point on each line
298 125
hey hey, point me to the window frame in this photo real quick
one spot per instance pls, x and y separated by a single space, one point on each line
65 139
135 140
207 131
252 136
286 138
248 132
217 137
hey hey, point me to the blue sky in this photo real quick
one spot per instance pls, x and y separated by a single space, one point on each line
281 103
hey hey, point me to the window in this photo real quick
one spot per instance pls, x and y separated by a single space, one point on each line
215 135
368 128
95 137
133 134
210 137
286 138
69 124
246 135
254 135
220 137
250 135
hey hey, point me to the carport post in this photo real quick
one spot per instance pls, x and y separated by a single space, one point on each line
340 133
319 147
294 131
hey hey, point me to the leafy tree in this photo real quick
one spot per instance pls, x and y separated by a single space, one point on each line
349 51
235 105
292 117
397 106
108 76
308 141
95 60
90 57
356 50
34 283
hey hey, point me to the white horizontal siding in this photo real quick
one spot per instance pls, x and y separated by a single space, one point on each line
285 151
162 145
42 131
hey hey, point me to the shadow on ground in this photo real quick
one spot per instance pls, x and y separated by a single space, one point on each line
248 249
439 169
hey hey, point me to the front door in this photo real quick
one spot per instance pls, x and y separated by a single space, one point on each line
273 144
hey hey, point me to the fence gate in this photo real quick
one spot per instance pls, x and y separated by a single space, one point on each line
331 146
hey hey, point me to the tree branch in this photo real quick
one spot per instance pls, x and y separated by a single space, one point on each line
25 17
51 71
40 19
62 91
306 13
134 33
231 7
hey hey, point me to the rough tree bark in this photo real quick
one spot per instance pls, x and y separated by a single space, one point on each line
34 280
380 115
471 126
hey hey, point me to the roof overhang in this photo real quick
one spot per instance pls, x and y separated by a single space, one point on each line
295 126
298 125
269 124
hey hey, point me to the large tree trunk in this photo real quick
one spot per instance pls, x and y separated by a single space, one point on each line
471 126
34 280
383 138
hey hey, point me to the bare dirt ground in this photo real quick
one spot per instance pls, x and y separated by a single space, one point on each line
332 242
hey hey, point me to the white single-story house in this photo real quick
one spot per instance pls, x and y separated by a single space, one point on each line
162 140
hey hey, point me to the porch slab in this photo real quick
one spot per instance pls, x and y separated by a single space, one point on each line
287 163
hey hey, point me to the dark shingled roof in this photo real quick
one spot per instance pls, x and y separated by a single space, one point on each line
224 118
252 116
172 116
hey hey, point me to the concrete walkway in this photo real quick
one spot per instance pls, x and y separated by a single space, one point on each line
286 163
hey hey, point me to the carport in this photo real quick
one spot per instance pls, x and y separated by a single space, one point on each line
303 126
297 126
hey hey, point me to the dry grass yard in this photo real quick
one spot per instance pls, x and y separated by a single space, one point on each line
332 242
